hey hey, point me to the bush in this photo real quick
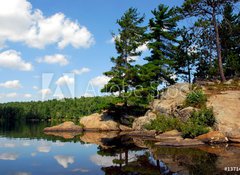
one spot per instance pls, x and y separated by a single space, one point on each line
191 129
204 117
163 123
196 99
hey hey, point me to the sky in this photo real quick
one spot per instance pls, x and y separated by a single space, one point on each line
55 49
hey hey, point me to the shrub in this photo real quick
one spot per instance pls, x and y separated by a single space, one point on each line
191 129
196 99
204 117
163 123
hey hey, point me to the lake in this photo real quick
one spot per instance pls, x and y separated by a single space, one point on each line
26 150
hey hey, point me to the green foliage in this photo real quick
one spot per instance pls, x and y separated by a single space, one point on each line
204 117
130 36
191 129
163 123
70 109
196 99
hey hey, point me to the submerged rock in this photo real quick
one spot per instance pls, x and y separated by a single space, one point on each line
180 142
213 137
99 122
64 127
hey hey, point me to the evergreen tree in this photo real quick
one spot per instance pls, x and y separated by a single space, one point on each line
209 10
162 44
186 55
131 36
230 39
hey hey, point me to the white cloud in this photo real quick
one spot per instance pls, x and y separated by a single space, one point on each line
20 23
45 92
82 170
14 84
22 173
65 80
142 48
64 161
8 156
112 40
8 145
44 148
54 59
11 95
27 95
12 59
81 71
35 88
100 81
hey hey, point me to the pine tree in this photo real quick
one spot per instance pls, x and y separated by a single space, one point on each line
130 37
230 39
162 44
209 10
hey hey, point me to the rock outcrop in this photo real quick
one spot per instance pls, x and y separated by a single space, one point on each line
213 137
99 122
226 108
171 99
64 127
139 123
180 142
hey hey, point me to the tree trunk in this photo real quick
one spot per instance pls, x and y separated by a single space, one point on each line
218 45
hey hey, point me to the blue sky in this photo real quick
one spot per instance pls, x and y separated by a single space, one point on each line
54 48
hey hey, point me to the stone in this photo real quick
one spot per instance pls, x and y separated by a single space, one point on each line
229 82
185 113
213 137
64 127
98 138
226 108
180 142
235 139
169 136
65 135
171 99
139 123
99 122
125 128
145 133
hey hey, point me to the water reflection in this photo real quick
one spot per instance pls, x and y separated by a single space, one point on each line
105 153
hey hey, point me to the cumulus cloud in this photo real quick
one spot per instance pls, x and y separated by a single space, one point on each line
8 145
12 59
35 87
27 95
54 59
64 161
87 94
14 84
21 23
81 71
45 92
8 156
65 80
11 95
44 148
100 81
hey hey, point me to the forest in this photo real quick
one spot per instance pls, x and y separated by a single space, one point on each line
206 50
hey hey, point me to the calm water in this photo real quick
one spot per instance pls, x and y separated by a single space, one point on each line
26 150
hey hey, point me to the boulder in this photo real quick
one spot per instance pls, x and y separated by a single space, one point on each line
64 127
226 108
145 133
169 135
180 142
229 82
213 137
171 99
65 135
140 122
99 122
185 113
125 128
235 139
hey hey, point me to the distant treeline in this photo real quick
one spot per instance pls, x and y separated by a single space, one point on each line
56 109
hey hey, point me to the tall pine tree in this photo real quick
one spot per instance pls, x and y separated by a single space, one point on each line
130 37
162 44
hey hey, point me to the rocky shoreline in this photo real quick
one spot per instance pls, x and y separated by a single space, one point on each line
226 107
